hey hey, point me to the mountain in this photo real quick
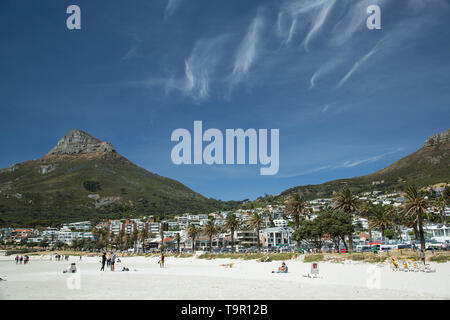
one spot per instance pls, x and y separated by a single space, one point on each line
428 165
84 178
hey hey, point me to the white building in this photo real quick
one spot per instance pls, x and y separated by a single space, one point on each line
280 223
277 237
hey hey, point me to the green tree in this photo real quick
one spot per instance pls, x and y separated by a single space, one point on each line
440 204
347 202
232 223
255 223
177 239
382 219
296 208
210 230
193 232
366 210
416 205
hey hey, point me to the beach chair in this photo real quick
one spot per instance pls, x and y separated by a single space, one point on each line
427 268
404 266
394 265
413 265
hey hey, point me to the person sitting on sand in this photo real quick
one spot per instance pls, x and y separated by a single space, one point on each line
227 265
125 269
71 269
282 269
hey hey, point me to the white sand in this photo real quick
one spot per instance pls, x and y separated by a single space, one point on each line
189 278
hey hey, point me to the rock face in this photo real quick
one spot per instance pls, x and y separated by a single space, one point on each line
47 169
438 138
79 142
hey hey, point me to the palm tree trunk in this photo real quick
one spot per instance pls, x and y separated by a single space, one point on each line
416 232
350 242
257 234
193 245
345 244
178 246
232 240
369 228
210 244
420 225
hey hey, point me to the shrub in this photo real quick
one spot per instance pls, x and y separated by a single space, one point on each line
440 258
313 258
92 186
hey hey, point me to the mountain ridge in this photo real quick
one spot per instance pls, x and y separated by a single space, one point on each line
428 165
84 178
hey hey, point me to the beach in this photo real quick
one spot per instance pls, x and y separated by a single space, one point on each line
201 279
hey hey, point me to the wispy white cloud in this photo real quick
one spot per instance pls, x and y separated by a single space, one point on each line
200 66
350 164
171 6
346 164
324 69
318 22
325 109
353 21
294 15
247 51
134 48
358 64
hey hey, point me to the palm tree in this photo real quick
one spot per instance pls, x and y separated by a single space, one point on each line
232 223
296 207
135 237
210 230
177 238
255 223
193 232
161 234
347 202
143 234
396 217
416 205
382 218
441 203
366 210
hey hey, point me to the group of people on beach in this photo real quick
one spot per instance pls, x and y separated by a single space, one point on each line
22 259
109 260
59 257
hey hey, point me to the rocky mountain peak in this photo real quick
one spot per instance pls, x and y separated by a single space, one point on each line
80 142
438 138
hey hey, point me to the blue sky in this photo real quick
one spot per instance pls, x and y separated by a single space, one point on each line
347 100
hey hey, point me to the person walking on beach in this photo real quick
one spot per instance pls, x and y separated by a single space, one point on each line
422 256
20 259
17 259
113 261
161 262
103 261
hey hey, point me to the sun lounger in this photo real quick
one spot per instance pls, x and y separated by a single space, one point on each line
394 265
